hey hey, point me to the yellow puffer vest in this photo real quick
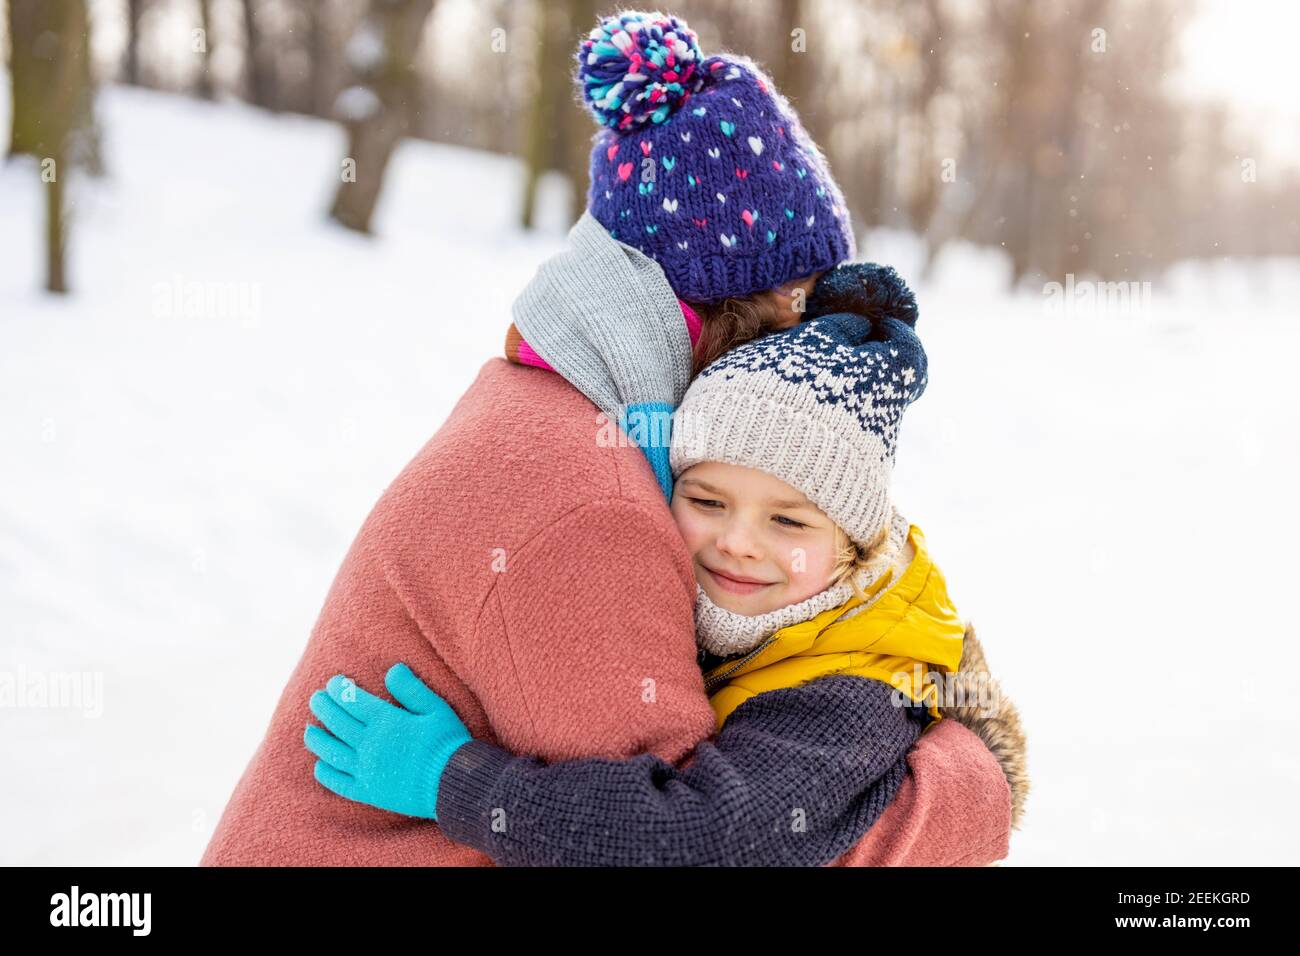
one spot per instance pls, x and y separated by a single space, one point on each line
909 631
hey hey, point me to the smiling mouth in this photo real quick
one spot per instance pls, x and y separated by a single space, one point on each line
734 586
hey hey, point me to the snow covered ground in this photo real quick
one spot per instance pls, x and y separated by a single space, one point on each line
190 441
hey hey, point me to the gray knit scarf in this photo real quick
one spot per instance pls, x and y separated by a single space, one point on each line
602 314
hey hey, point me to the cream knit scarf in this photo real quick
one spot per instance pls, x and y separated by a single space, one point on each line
727 634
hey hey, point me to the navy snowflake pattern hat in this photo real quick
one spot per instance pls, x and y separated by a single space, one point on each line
818 405
702 164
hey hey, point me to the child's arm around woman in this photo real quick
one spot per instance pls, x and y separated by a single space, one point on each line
795 777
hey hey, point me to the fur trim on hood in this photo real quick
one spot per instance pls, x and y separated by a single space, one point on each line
1000 730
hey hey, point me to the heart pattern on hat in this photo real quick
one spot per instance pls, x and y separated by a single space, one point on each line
735 117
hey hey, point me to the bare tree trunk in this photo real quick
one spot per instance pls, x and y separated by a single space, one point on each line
56 232
69 110
28 64
379 110
552 20
320 50
1002 138
204 86
796 70
1058 251
925 201
131 61
559 131
261 80
52 97
577 127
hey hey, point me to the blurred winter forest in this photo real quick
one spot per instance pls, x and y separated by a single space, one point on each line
1052 130
284 237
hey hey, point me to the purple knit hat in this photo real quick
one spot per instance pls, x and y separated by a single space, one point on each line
704 165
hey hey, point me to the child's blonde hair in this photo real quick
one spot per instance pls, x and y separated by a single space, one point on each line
850 558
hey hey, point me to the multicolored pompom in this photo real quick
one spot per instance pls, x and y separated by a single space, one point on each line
637 68
703 166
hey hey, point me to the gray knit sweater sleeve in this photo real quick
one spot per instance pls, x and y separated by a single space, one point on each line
795 777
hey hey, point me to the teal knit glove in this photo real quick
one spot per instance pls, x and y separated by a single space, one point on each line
377 753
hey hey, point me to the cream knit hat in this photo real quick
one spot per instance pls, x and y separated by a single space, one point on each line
817 405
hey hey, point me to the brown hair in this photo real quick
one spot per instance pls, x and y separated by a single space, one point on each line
732 322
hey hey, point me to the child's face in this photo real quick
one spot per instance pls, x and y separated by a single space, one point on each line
743 523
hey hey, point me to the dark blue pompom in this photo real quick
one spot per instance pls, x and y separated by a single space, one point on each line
869 289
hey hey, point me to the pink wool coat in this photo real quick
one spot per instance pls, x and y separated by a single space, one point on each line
533 576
